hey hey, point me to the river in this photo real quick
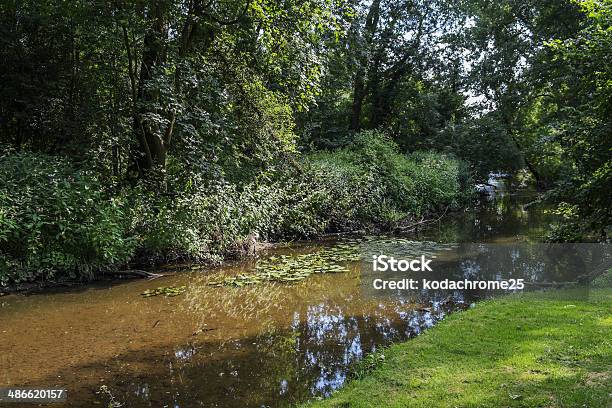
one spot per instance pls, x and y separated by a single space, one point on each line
265 345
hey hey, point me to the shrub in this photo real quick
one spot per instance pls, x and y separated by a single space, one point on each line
55 218
200 222
372 181
352 194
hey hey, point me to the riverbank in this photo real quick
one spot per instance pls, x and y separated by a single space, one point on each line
268 344
528 350
59 221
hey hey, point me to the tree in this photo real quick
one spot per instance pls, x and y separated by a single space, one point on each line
132 83
506 42
580 80
255 30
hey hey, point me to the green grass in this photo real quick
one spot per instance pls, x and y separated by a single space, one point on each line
531 350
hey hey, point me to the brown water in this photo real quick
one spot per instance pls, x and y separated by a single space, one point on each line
266 345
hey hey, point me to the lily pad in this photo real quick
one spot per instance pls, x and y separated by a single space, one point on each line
290 269
168 291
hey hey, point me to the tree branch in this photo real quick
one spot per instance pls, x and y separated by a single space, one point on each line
234 21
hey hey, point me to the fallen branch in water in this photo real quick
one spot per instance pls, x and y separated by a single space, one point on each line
136 273
602 268
423 221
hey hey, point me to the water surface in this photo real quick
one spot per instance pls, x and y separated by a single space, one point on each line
263 345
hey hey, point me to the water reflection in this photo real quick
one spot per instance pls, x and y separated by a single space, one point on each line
498 217
281 367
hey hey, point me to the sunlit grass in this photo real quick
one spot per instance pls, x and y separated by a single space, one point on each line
533 350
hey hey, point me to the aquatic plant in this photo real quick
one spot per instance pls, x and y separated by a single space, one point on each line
168 291
333 259
289 269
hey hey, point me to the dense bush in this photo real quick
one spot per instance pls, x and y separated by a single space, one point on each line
371 181
202 221
56 220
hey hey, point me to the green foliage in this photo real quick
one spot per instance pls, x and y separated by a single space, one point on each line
291 269
604 280
168 291
369 363
181 225
371 180
578 123
196 114
56 220
384 74
485 144
569 228
131 83
412 184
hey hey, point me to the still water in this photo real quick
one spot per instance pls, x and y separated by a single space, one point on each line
265 345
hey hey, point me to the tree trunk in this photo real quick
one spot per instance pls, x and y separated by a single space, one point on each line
358 96
540 182
152 148
359 90
511 129
154 141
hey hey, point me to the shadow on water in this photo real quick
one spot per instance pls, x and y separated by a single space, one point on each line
501 217
262 345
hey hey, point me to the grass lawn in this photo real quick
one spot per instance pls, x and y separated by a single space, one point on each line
529 350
